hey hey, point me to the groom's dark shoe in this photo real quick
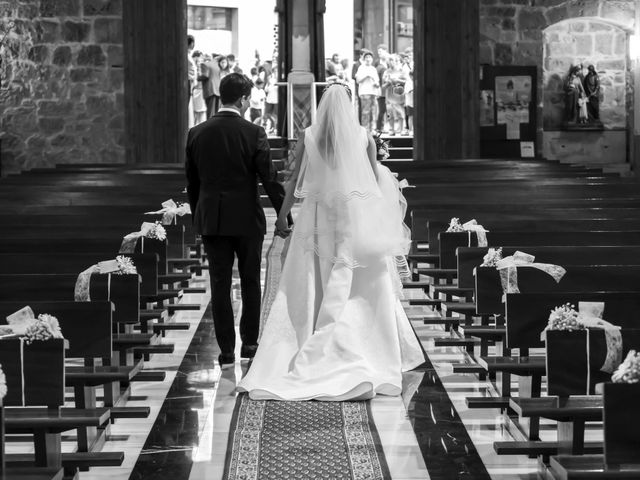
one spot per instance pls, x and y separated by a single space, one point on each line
248 351
226 360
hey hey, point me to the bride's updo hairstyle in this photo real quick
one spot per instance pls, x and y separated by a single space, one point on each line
341 84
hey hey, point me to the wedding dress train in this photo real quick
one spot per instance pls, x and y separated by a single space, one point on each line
336 329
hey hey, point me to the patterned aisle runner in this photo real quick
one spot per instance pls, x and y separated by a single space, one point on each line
272 440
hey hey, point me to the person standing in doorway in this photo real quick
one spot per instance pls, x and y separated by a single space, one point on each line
368 90
207 77
381 67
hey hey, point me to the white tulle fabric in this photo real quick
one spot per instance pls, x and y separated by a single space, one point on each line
345 217
336 329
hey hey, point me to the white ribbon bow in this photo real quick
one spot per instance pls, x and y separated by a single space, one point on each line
590 315
82 288
170 210
404 183
508 268
129 241
481 233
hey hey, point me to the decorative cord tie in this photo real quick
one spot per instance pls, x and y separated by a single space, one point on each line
508 268
147 230
120 266
170 210
472 226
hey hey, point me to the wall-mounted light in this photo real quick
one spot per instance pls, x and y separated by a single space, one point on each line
634 46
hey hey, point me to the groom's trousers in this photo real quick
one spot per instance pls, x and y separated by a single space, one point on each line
221 251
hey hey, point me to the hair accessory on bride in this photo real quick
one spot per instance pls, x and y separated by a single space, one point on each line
342 84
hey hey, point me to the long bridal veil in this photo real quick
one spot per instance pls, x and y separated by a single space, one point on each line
336 329
351 222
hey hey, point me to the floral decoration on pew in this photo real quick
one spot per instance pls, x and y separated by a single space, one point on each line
493 256
469 227
564 317
30 328
382 147
44 328
629 370
588 317
147 230
122 265
3 385
170 210
157 232
125 266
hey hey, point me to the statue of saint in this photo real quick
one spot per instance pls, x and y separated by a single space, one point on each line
573 91
592 89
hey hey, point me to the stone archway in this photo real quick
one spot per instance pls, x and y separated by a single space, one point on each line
586 41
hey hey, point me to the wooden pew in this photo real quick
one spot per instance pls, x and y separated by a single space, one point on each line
34 406
577 279
23 473
87 326
526 317
122 290
621 457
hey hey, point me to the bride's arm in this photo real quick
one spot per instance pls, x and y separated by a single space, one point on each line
372 154
289 199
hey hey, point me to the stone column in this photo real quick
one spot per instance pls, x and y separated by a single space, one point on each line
304 48
634 144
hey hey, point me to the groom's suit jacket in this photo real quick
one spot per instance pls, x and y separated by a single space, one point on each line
226 156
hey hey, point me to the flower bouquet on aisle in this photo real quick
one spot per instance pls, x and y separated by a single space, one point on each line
382 147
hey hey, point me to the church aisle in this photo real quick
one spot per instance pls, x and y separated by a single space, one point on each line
427 433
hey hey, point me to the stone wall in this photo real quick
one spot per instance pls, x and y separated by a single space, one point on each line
512 33
62 91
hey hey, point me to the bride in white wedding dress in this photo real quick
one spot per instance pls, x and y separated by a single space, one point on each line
336 330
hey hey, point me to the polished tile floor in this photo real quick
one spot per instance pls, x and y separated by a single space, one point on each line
427 433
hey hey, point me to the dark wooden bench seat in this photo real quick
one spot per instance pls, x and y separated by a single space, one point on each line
29 419
571 414
590 467
36 377
32 474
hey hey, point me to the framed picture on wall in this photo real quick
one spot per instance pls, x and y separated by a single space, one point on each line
514 111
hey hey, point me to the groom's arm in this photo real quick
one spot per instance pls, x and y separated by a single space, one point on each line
193 179
267 172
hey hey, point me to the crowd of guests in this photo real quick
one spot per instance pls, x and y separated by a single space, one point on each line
206 71
384 88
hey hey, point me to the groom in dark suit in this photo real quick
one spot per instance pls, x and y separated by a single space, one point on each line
226 156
